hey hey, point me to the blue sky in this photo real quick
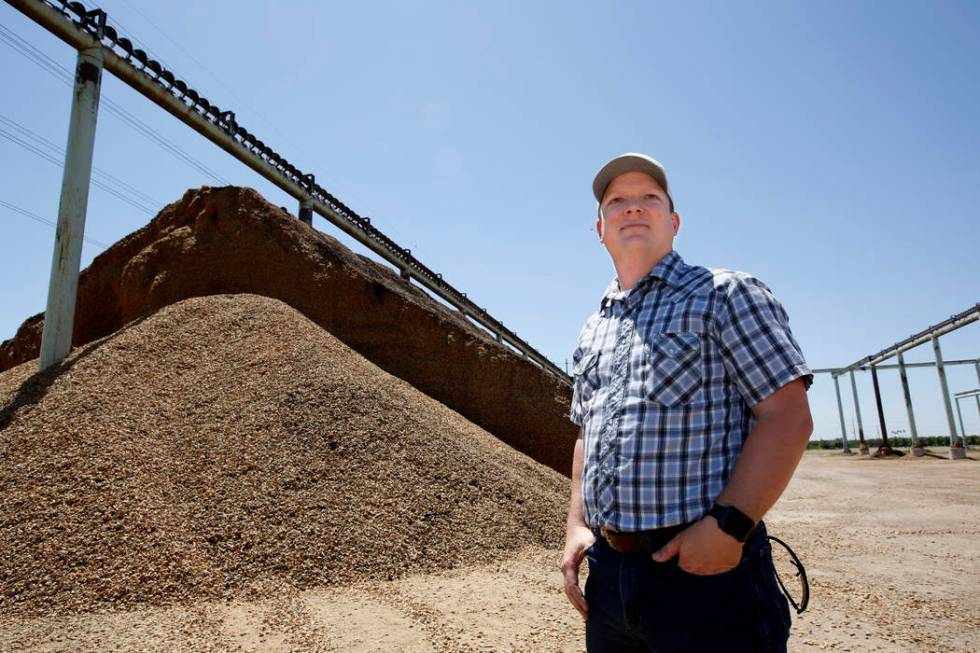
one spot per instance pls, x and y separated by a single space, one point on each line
830 148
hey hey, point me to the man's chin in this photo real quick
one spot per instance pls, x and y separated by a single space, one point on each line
638 248
634 229
637 242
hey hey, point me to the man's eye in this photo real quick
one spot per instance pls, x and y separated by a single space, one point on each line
652 196
614 200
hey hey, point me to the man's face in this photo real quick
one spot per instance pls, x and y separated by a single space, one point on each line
638 217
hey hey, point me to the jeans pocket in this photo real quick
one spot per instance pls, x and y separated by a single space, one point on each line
591 553
592 580
739 568
726 599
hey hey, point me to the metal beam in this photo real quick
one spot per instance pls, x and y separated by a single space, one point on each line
865 368
976 367
945 389
959 413
857 410
966 394
885 447
59 314
954 322
840 413
220 128
306 212
908 396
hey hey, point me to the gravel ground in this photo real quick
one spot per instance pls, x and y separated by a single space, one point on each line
887 576
228 447
230 240
224 475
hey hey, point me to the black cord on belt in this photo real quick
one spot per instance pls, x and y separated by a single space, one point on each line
800 573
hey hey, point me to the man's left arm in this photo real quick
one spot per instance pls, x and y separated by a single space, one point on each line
767 462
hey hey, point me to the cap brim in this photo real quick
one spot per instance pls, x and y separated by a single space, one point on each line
628 163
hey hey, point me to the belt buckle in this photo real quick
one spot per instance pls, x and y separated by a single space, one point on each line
610 536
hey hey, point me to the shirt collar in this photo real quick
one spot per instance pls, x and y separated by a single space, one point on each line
670 269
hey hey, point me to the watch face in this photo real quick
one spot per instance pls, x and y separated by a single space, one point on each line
733 521
741 524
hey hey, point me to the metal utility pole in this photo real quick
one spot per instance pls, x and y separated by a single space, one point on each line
908 397
976 366
306 212
945 388
86 30
840 413
862 445
885 449
963 395
59 316
959 414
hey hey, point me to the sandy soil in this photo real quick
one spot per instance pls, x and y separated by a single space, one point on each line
209 242
199 454
890 546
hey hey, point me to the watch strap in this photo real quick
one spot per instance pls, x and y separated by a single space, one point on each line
733 521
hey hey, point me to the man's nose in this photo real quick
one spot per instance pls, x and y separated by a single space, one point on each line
633 206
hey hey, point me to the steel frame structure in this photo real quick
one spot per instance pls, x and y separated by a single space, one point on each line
874 363
100 46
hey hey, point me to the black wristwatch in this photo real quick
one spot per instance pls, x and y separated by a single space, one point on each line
733 521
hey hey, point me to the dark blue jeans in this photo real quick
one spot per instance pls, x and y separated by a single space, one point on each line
636 604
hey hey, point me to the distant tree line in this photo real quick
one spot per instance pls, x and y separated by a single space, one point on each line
926 441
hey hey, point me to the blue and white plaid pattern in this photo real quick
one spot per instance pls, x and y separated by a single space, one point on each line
665 375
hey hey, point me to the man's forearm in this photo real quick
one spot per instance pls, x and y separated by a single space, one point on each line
577 536
770 455
575 516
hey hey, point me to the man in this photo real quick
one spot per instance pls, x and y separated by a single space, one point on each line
690 392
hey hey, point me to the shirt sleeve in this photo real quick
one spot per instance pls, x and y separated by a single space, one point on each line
577 414
582 358
757 346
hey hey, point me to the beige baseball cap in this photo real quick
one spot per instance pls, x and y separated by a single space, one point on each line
630 162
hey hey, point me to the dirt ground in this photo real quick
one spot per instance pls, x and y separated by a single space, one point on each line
891 548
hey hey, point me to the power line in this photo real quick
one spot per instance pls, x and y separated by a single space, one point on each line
57 70
197 61
162 141
37 218
217 78
109 178
91 28
54 161
41 59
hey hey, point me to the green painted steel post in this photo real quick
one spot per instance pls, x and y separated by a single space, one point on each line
306 212
840 413
960 414
884 447
908 396
59 316
976 366
945 388
857 411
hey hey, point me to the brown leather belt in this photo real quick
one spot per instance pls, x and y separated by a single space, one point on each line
642 541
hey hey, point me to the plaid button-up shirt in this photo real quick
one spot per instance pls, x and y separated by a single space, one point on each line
665 375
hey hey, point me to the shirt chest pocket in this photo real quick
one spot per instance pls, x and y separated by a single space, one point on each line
673 368
587 375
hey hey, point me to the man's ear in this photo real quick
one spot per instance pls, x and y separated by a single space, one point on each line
600 227
675 218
